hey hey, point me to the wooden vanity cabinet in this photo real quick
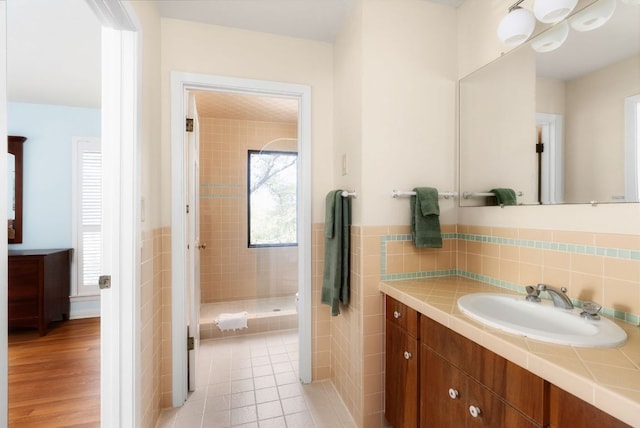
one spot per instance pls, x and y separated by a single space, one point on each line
457 374
568 410
401 365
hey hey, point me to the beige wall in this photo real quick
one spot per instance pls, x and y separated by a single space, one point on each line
209 49
497 128
594 130
395 78
408 105
151 338
550 96
228 268
347 108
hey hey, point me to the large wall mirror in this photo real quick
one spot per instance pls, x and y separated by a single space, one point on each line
560 126
14 193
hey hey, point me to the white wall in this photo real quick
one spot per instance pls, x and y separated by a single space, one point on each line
47 168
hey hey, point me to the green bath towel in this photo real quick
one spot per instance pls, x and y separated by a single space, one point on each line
505 196
425 218
335 278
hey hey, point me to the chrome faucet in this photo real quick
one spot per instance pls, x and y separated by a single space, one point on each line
559 297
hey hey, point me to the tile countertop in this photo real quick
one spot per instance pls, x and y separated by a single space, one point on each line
608 378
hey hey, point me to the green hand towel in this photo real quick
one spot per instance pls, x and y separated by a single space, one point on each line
335 278
505 196
425 218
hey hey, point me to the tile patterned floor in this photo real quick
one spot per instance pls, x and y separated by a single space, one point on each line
252 381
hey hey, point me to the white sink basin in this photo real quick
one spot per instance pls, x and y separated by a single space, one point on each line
541 321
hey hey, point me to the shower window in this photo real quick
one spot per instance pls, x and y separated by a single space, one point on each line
272 198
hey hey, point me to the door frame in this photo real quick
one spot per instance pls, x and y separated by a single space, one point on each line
552 173
181 83
120 356
4 322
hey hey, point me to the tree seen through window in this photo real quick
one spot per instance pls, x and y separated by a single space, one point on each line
272 190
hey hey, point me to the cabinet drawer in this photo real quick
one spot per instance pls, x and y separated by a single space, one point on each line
24 310
520 388
23 292
403 316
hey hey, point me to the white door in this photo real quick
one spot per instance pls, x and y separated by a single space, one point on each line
194 245
552 169
4 393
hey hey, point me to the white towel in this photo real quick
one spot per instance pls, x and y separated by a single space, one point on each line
231 321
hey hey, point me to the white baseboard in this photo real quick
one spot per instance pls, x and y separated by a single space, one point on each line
84 307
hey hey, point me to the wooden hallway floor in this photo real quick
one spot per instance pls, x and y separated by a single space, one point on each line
54 380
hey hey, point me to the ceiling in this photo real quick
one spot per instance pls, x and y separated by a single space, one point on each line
223 105
53 47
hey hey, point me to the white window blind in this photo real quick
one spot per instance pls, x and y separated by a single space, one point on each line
88 216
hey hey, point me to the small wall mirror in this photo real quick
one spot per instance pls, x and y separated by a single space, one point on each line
14 193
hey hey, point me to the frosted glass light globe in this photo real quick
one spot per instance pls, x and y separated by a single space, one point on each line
551 39
594 16
516 27
552 11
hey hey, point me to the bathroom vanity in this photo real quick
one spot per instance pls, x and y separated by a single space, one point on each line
444 369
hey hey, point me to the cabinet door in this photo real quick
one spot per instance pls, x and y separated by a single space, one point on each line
401 378
483 408
568 410
443 392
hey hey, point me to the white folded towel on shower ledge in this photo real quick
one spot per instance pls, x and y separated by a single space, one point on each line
234 321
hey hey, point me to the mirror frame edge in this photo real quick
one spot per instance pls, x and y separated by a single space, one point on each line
14 146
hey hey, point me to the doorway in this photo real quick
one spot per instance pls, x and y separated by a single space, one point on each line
119 306
248 217
550 150
182 84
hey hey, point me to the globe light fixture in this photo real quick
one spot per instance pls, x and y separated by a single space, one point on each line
551 39
594 16
516 27
553 11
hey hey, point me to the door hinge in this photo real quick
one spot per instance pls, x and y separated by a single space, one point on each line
539 148
187 209
189 125
191 344
104 281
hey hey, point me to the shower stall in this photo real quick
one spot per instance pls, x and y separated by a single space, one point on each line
236 276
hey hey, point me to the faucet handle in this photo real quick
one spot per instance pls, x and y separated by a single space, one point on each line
532 294
590 310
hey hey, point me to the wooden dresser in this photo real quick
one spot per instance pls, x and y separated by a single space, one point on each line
39 287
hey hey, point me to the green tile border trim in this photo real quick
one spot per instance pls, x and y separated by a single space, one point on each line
593 250
205 187
631 318
402 237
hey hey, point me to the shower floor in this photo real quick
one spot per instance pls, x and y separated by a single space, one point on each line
264 314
